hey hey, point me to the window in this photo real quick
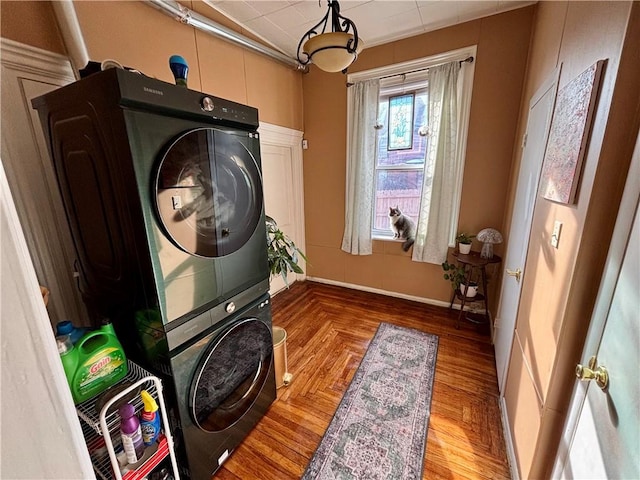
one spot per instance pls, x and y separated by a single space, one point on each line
405 171
401 151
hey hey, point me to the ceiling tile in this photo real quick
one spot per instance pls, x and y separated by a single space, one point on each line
284 22
373 12
387 28
442 13
238 11
310 10
287 18
471 10
267 7
274 34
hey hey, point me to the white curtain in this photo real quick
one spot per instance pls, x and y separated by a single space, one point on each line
441 167
362 98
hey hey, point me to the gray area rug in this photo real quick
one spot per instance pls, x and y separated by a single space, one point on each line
379 430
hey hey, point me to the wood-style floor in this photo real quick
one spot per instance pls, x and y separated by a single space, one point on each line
328 331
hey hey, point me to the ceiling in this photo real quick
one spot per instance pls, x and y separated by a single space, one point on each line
282 23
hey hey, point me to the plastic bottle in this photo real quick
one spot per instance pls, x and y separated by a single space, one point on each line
67 356
96 362
65 327
131 433
149 419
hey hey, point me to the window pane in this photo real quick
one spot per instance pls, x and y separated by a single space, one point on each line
416 154
400 134
399 188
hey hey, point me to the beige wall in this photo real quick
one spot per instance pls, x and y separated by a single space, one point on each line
503 42
32 23
144 38
560 285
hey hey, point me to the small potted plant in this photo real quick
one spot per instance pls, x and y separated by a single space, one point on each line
282 253
457 275
464 243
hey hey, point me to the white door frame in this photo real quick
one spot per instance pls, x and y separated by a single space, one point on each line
292 139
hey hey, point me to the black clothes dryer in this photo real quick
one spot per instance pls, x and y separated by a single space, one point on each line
162 188
163 192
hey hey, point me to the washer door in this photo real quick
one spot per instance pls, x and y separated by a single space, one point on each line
209 192
231 374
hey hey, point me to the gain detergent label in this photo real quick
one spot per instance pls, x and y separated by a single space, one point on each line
100 371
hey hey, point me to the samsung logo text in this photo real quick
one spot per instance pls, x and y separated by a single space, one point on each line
153 90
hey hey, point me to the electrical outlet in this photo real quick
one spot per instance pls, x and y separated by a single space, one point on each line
555 235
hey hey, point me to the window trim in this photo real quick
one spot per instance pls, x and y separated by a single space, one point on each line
465 102
415 88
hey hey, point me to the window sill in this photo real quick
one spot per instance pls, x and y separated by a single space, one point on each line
382 238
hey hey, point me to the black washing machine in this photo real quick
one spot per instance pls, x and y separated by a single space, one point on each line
225 382
162 188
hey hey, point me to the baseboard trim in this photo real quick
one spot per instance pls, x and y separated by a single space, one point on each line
429 301
506 431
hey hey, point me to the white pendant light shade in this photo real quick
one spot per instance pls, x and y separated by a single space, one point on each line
333 44
329 51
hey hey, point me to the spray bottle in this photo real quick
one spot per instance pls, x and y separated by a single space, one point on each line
131 433
149 419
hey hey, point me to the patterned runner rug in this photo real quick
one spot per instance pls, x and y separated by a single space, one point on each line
380 427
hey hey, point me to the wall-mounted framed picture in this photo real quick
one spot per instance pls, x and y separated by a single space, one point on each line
400 122
569 136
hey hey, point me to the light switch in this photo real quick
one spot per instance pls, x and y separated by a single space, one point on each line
176 200
555 235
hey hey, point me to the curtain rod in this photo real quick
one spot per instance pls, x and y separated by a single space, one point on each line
469 59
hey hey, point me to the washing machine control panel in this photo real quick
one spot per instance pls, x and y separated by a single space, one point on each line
224 110
191 327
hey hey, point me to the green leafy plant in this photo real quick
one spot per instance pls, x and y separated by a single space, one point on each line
457 275
464 238
454 273
283 254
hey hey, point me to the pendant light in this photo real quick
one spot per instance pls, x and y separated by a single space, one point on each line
333 50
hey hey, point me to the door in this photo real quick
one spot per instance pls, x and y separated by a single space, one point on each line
281 155
209 192
602 433
540 112
231 375
28 72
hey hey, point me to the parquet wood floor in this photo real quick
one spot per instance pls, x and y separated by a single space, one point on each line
328 331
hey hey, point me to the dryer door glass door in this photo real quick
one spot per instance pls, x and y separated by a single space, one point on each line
231 375
209 191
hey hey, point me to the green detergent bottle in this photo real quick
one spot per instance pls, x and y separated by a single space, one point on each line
94 363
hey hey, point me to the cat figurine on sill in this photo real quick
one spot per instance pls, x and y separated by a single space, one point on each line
403 227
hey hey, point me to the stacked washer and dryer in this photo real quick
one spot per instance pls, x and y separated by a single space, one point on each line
162 187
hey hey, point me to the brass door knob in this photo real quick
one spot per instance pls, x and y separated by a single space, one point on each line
593 372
